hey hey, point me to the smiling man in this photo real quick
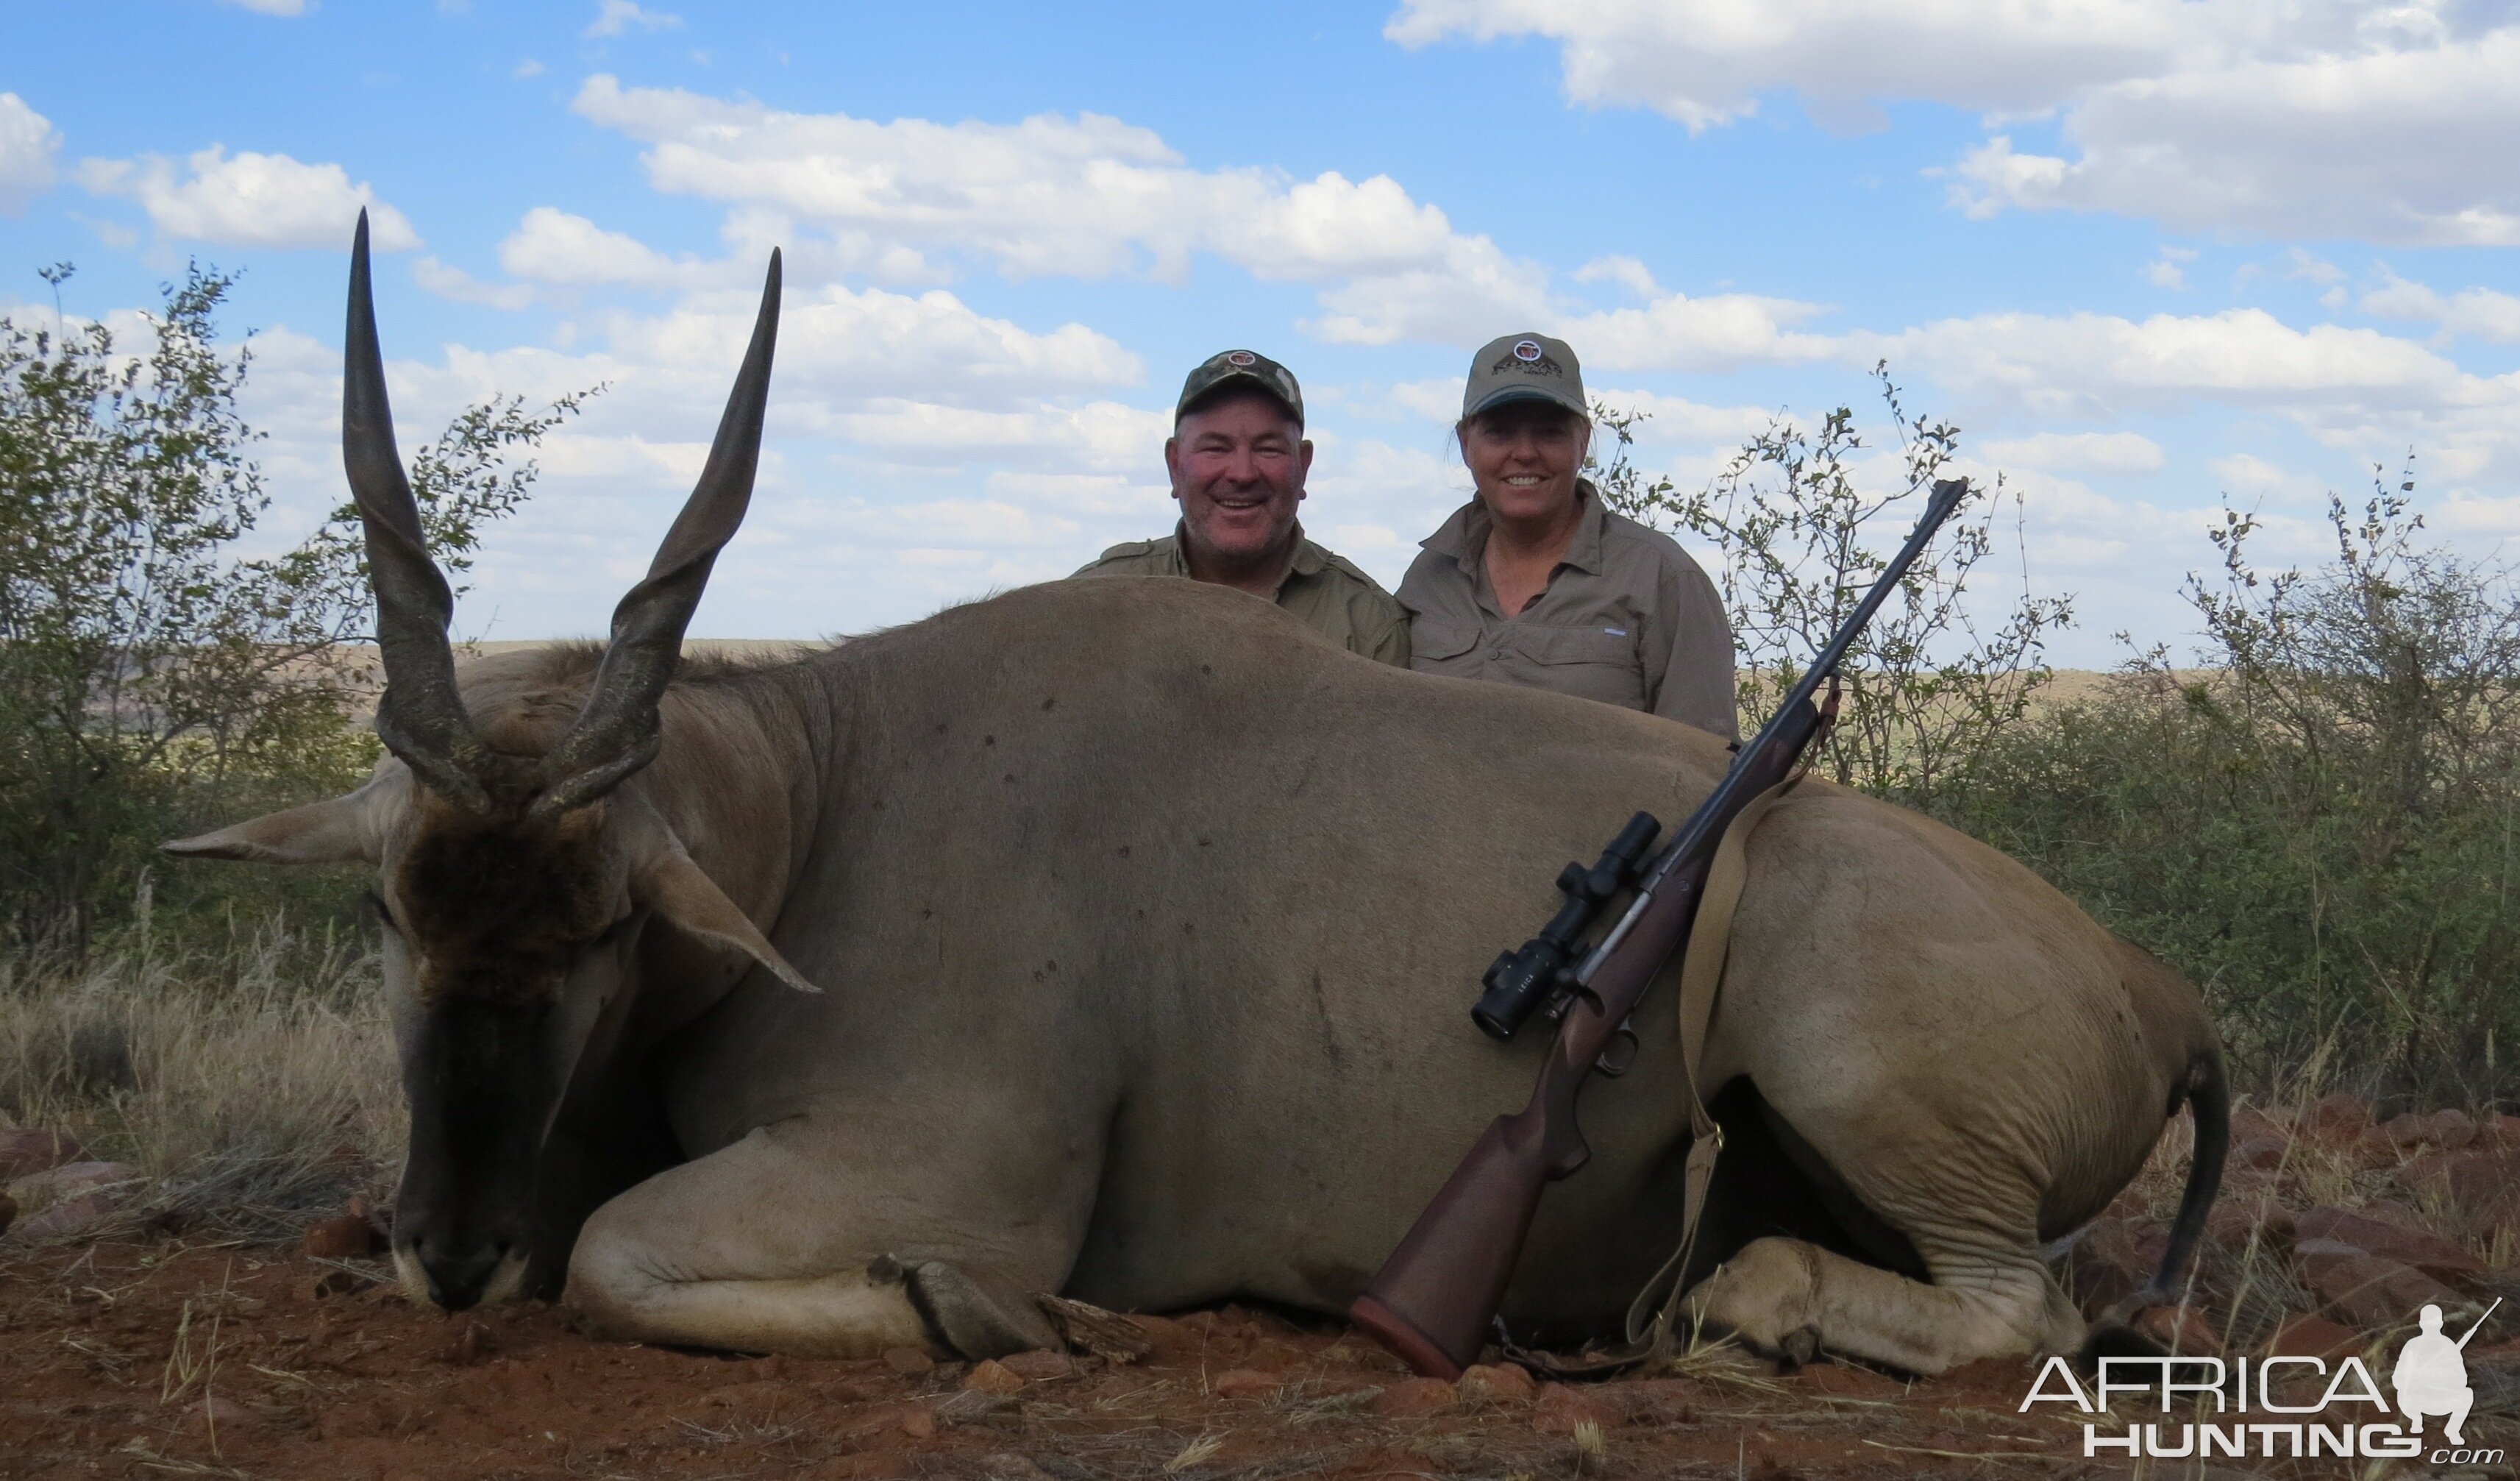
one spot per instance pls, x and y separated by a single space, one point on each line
1237 457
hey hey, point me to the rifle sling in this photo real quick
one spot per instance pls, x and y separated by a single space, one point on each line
1651 1332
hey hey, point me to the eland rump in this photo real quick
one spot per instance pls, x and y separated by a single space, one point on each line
1144 921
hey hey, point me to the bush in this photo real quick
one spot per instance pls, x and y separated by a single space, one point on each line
151 677
2319 823
1932 683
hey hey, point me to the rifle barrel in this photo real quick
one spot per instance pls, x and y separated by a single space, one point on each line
1720 804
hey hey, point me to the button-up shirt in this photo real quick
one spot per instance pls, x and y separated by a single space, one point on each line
1627 618
1332 597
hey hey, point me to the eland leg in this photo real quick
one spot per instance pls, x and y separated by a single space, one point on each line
776 1244
1790 1299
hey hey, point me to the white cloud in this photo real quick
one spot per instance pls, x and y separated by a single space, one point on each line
2164 273
271 7
613 17
249 200
2368 119
2477 312
2094 451
448 281
530 68
29 144
1089 196
554 247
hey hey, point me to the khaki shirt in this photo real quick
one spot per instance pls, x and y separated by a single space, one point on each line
1333 597
1627 618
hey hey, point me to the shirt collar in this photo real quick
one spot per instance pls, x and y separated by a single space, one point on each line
1309 558
1464 536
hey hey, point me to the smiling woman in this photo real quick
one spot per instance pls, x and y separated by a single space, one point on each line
1536 582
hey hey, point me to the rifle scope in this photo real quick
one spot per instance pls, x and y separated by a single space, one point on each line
1520 981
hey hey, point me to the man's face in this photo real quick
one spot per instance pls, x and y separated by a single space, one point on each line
1237 466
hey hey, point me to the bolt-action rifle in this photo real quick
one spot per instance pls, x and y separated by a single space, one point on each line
1434 1299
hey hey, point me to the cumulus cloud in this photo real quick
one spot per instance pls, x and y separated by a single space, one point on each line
2479 313
2345 117
1087 195
249 200
29 144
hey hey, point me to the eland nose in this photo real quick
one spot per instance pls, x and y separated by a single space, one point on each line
458 1278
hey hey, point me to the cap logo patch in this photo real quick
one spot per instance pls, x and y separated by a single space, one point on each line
1241 357
1526 350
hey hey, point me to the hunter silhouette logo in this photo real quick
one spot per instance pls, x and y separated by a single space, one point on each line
2246 1406
2431 1375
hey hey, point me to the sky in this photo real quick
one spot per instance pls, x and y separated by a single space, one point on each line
2152 256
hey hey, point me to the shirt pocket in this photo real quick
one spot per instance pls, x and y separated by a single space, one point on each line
1442 647
1587 661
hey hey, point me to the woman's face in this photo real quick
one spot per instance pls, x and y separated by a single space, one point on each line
1523 457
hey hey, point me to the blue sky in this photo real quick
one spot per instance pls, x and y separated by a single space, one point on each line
2148 254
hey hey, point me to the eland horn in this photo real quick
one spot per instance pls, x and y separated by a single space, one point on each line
420 716
616 732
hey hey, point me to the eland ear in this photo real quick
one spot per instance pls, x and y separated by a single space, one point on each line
332 831
669 883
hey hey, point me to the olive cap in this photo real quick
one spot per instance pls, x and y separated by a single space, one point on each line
1524 368
1220 372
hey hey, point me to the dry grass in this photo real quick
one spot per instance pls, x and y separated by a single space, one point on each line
253 1088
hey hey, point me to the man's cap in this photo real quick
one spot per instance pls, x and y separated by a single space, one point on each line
1524 368
1238 367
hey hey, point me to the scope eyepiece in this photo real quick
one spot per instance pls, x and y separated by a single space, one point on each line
1518 982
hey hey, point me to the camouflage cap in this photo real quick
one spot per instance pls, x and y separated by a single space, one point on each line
1220 372
1524 368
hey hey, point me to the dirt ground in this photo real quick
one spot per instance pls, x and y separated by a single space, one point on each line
161 1359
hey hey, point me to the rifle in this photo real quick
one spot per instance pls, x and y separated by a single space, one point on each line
1433 1302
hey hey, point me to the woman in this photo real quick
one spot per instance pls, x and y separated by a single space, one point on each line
1535 582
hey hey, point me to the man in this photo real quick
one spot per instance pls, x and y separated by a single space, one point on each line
1237 457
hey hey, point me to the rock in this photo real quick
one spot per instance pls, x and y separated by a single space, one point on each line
347 1238
909 1362
2340 1117
326 1285
70 1180
2484 1187
2315 1337
915 1422
216 1412
2372 1147
1847 1381
2183 1330
1561 1406
990 1376
1411 1398
1039 1365
28 1151
2261 1152
2449 1127
2367 1290
1244 1383
2498 1132
2405 1129
1496 1383
70 1216
2231 1225
2427 1252
1007 1465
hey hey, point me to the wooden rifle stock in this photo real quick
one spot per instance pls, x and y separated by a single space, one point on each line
1434 1299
